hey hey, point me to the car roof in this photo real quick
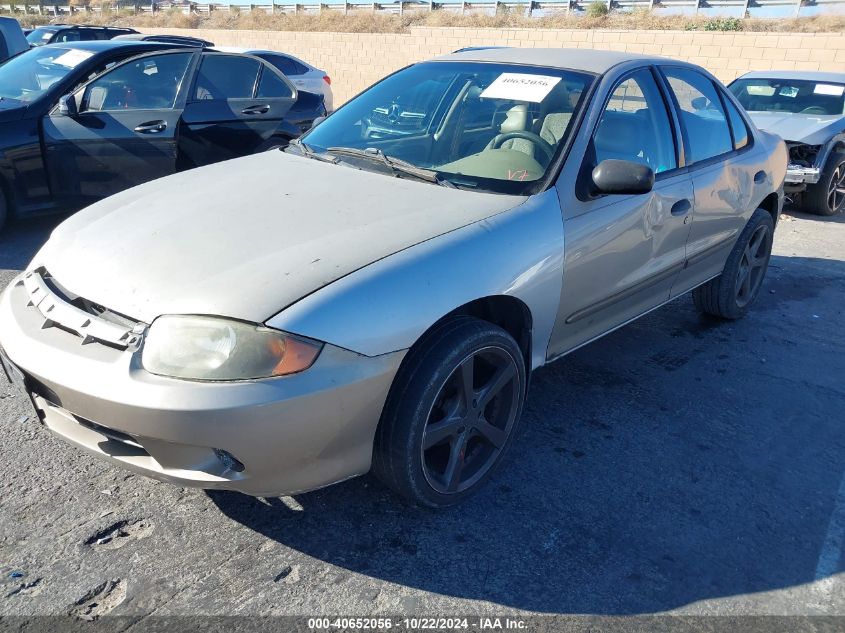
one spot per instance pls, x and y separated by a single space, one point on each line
60 27
795 74
96 46
590 60
260 51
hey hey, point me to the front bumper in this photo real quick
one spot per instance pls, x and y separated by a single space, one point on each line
799 175
291 434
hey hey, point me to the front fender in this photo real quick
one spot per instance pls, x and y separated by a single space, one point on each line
389 304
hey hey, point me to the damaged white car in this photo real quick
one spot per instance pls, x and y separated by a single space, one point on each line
807 109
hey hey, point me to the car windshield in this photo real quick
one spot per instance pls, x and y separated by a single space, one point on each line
39 37
29 75
797 96
490 127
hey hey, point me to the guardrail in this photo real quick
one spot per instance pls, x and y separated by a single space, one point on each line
529 7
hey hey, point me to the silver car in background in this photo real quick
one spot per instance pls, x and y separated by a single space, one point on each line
807 109
304 76
288 320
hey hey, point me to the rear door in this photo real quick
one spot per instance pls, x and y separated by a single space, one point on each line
125 131
235 106
726 172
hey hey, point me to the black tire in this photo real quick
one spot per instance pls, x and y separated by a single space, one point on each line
728 296
827 196
473 436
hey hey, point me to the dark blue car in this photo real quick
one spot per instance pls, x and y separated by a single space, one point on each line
81 121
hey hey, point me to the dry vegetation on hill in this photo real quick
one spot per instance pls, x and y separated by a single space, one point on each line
363 21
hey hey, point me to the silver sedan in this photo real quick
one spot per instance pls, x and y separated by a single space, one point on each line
375 296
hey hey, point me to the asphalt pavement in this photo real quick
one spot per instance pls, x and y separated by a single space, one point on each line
679 464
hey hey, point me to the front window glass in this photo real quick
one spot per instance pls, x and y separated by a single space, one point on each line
796 96
30 74
149 83
491 127
39 37
635 125
703 119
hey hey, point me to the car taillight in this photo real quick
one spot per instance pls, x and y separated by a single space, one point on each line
327 79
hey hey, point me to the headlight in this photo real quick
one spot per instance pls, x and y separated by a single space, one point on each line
211 348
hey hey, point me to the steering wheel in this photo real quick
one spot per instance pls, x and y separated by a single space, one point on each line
535 139
814 110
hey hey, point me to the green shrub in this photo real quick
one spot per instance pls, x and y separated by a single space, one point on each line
597 9
716 24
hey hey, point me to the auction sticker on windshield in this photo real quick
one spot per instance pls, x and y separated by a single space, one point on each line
72 58
829 89
520 87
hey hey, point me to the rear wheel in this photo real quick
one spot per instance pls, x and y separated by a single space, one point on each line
730 295
451 414
827 197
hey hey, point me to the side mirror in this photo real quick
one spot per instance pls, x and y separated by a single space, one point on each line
613 176
699 103
317 122
67 106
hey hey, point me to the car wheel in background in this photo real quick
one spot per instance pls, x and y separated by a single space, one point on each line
730 295
827 197
451 413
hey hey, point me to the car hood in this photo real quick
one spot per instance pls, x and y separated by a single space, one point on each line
801 128
247 237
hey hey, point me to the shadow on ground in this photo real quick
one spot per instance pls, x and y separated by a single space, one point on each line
668 463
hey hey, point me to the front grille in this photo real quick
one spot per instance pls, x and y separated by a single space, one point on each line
89 321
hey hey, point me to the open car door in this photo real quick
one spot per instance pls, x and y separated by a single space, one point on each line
119 130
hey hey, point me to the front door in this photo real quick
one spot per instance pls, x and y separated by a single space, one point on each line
623 252
124 133
235 108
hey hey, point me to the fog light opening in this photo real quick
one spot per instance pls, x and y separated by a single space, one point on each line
229 460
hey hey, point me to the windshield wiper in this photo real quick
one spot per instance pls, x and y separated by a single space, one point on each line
306 151
395 165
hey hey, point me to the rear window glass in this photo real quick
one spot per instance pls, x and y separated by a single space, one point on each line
226 77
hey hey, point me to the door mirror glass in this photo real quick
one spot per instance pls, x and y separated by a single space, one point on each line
68 106
613 176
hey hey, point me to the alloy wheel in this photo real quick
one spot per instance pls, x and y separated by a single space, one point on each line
752 266
836 190
471 419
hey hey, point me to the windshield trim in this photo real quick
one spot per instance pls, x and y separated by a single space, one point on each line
552 172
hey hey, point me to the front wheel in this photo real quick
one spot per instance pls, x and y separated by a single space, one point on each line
451 413
730 295
827 196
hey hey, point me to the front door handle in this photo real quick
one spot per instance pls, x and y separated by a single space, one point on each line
681 207
151 127
760 177
259 109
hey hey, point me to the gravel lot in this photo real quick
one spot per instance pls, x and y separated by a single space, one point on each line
677 464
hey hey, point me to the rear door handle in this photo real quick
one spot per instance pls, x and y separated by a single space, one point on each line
760 177
681 207
259 109
151 127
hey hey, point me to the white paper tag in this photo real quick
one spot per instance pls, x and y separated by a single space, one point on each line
72 58
829 89
520 87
